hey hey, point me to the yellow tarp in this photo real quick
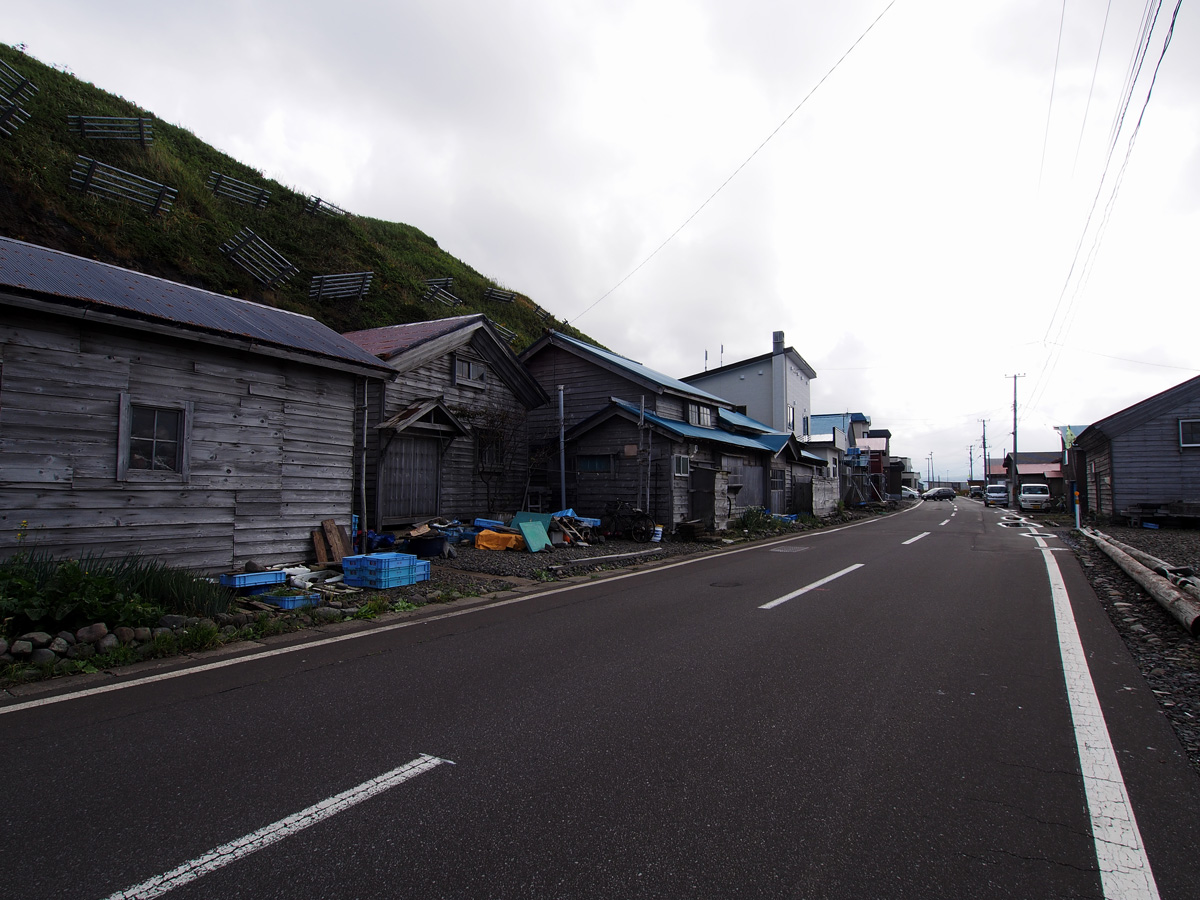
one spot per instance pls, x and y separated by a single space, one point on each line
494 540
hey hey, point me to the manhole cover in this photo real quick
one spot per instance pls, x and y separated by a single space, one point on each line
788 549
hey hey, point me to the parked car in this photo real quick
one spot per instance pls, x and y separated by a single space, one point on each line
939 493
1034 496
995 495
976 493
909 494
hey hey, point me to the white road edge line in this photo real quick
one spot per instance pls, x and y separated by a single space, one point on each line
917 538
275 832
1124 867
408 623
808 587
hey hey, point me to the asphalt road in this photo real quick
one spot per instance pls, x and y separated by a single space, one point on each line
903 729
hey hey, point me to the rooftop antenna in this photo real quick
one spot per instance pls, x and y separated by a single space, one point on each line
721 363
706 359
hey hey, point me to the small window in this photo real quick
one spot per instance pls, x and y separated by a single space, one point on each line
154 436
153 439
490 449
701 416
683 466
593 463
1189 432
778 480
469 371
791 418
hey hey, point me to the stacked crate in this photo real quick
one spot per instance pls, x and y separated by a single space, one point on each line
384 570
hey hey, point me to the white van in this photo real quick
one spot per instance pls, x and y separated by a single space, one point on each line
995 495
1034 496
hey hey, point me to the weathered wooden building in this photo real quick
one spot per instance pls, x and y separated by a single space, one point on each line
449 436
632 434
138 415
1143 461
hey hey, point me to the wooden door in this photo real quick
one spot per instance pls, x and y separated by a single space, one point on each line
410 479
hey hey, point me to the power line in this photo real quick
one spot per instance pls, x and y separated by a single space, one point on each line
736 171
1062 17
1091 88
1068 317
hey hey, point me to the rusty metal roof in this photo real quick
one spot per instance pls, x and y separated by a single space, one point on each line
53 275
389 340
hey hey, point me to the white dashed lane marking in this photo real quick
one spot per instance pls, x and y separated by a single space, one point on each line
270 834
808 587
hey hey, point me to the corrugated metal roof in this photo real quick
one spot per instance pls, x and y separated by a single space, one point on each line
772 442
741 420
636 368
54 274
392 339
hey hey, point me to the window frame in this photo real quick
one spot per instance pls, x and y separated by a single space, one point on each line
604 464
682 465
1195 429
486 458
700 415
476 374
126 472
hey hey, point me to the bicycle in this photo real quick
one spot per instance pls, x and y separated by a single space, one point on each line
622 517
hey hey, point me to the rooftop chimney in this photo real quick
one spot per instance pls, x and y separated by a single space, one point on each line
777 337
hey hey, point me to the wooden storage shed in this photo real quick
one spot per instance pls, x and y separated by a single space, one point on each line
449 436
1144 461
142 416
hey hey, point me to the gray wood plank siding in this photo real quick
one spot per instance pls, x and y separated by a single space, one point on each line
466 492
1100 480
587 389
1149 466
270 447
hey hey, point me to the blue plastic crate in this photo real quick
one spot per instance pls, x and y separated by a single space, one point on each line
388 561
394 578
377 562
251 579
294 602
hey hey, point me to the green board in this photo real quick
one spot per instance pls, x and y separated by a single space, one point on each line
535 536
544 518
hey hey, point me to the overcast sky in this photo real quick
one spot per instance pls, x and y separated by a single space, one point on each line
917 227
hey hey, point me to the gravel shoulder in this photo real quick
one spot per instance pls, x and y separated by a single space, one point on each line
1167 656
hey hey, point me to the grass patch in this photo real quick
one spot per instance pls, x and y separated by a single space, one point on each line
39 592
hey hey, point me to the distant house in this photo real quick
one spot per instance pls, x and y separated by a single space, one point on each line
1143 461
995 471
637 435
773 388
138 415
449 436
1037 467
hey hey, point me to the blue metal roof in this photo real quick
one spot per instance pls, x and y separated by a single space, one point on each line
740 420
772 442
54 274
637 369
823 423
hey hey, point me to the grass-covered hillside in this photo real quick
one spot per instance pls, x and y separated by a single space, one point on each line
38 204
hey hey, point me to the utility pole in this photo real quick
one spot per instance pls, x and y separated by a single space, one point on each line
970 464
985 459
1014 489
